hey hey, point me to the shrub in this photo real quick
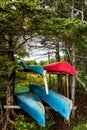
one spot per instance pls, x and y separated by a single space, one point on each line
81 127
22 123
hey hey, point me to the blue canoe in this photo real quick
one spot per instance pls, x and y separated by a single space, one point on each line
57 101
31 104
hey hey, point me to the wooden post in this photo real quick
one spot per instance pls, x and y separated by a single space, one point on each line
67 85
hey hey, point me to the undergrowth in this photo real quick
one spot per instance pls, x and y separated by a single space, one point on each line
22 123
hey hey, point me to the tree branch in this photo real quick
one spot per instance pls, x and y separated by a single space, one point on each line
83 84
25 40
67 50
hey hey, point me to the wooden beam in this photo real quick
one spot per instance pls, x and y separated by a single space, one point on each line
11 107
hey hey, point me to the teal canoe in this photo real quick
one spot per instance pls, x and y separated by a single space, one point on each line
32 105
57 101
36 69
32 68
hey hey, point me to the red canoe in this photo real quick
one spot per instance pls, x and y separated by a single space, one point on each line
62 67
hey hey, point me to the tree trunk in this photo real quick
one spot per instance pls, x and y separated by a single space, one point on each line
73 80
60 85
10 85
10 94
58 59
49 74
57 49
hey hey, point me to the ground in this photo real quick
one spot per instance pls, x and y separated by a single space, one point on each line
80 114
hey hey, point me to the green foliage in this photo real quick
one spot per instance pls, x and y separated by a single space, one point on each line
26 79
81 127
68 27
31 62
80 123
15 11
23 123
52 82
28 124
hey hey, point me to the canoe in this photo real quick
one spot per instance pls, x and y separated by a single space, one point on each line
32 68
31 104
21 89
36 69
62 67
57 101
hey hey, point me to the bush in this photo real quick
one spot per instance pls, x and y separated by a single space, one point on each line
81 127
22 123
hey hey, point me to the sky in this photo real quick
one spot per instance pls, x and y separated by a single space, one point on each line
37 51
39 54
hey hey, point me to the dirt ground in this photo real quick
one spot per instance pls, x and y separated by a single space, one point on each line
80 114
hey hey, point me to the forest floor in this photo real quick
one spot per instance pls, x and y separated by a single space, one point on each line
80 114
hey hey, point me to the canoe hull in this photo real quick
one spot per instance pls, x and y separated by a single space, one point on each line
62 67
57 101
31 104
32 68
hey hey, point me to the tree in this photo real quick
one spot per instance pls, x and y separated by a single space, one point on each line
19 21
